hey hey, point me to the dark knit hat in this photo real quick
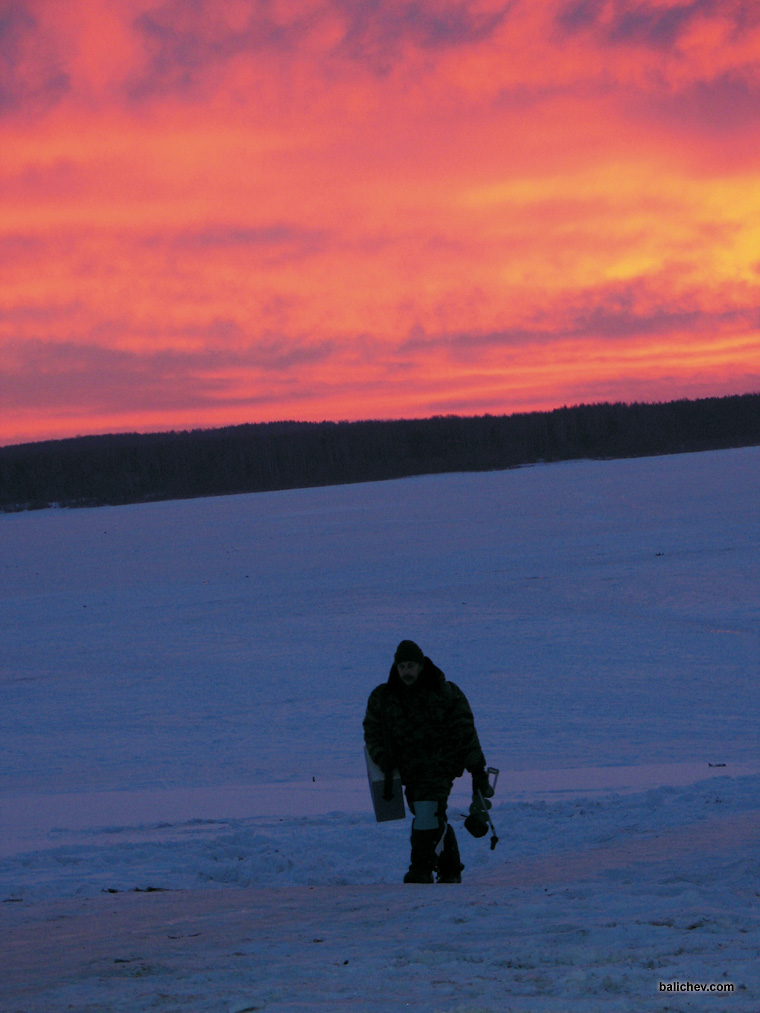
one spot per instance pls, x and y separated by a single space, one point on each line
407 650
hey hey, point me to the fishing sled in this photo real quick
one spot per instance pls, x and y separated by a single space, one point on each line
385 809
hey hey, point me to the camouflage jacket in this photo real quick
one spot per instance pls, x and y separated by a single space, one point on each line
426 731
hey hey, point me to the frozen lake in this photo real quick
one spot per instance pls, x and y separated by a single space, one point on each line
181 693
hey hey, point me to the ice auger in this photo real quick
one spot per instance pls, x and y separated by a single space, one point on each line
479 819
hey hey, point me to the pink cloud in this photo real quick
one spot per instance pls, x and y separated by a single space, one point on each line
219 211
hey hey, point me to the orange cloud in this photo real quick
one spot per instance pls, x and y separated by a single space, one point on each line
223 211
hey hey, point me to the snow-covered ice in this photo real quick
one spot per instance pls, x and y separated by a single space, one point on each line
184 818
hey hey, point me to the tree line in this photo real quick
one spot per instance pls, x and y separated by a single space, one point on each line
133 467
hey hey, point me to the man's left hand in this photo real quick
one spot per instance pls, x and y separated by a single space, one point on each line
480 783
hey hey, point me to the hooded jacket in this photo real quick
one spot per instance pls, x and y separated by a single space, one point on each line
426 730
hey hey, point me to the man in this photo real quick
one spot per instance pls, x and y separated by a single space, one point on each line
421 724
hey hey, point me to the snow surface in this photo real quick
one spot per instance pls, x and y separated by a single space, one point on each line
184 820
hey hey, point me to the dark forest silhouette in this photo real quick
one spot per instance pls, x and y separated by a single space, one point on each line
132 468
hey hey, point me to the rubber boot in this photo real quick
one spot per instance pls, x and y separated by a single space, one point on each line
423 858
449 864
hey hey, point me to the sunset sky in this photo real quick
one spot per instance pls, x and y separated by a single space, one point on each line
224 211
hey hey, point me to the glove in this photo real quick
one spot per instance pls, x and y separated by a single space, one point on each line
480 783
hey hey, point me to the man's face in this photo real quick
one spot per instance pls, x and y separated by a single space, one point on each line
409 671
